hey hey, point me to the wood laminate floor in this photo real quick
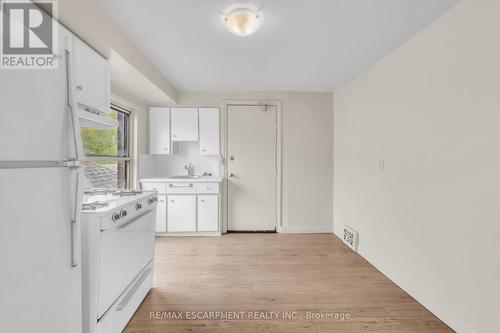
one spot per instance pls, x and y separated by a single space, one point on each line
277 276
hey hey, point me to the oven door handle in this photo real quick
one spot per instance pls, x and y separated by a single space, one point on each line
131 221
123 304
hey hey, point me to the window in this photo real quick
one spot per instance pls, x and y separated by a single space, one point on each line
108 152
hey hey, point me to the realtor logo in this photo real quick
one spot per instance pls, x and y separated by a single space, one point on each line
29 36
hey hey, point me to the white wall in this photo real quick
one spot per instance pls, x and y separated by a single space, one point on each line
307 155
431 111
157 166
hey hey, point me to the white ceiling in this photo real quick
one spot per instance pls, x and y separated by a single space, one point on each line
302 45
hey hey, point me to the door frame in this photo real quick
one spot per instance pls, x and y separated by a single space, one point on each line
277 104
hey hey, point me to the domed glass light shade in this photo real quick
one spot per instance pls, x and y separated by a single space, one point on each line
243 22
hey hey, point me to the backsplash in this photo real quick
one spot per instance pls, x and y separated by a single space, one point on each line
153 166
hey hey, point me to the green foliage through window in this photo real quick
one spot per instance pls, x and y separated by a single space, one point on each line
106 141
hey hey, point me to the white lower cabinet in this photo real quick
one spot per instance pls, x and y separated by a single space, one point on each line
161 214
181 213
186 207
208 212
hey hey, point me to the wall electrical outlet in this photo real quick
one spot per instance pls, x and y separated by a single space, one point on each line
351 238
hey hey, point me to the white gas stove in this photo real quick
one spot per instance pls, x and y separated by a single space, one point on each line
118 233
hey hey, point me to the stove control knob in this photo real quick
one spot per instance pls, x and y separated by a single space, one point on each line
138 206
123 213
150 201
115 217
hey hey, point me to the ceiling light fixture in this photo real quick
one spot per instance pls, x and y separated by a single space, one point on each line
243 22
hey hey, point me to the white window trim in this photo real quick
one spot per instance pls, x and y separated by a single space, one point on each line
132 108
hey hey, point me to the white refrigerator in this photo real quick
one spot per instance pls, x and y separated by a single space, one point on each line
40 198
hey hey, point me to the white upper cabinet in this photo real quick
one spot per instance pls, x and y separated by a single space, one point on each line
209 131
159 130
92 78
184 124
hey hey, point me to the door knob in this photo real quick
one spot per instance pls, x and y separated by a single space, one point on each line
231 175
231 158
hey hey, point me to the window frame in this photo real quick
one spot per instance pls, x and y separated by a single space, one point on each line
126 159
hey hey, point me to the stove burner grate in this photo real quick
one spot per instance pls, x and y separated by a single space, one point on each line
94 205
104 191
124 193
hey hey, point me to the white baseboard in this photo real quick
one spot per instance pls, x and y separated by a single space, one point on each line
454 322
187 234
306 229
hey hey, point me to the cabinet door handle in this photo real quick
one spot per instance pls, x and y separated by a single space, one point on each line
172 201
79 87
180 185
202 200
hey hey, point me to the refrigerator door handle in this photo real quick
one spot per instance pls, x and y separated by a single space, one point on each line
71 104
75 219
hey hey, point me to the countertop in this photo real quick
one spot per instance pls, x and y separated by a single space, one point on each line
182 180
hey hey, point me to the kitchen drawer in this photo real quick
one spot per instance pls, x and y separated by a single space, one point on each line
160 187
207 188
180 188
119 314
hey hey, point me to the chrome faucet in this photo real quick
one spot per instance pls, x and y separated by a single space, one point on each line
190 169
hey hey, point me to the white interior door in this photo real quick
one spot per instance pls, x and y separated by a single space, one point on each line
251 167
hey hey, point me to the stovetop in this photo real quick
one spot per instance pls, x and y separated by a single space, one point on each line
105 191
103 200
